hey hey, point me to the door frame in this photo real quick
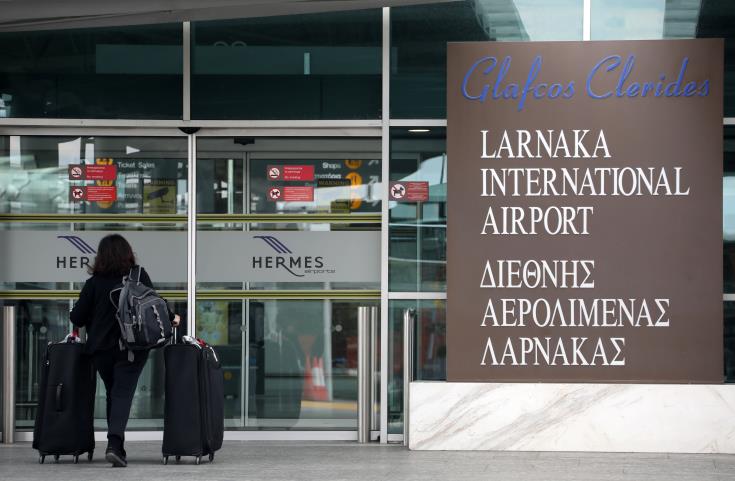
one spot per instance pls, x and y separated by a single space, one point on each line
192 130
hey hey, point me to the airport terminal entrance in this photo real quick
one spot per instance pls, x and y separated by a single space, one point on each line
268 245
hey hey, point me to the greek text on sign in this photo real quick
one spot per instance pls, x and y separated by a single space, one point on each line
290 173
92 172
291 193
93 193
410 191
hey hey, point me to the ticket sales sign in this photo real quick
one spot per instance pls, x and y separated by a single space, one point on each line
585 207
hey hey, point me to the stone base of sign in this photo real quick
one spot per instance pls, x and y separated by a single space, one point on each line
671 418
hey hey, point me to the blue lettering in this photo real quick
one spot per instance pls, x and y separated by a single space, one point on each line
538 92
569 91
676 91
501 75
532 74
593 72
489 69
627 68
704 89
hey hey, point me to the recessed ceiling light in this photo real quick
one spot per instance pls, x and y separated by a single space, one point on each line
416 131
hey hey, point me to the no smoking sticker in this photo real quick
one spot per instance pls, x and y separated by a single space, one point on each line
274 173
76 172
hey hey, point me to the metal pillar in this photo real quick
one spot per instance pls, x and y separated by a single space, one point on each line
374 371
409 322
365 317
8 374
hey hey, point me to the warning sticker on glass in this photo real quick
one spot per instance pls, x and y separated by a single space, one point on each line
413 191
291 172
290 193
93 193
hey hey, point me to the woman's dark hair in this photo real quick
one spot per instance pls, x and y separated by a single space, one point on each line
114 257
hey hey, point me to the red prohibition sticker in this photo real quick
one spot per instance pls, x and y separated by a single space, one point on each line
77 193
290 193
411 191
274 193
93 193
290 173
92 172
274 173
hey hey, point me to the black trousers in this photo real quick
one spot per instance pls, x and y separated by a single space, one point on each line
121 378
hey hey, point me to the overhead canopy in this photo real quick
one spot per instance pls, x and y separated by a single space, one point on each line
19 15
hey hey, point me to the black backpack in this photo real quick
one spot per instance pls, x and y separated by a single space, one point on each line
142 315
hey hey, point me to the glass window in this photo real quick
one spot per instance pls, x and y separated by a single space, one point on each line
150 176
657 19
108 73
418 230
728 213
41 322
430 350
320 66
729 341
287 364
419 36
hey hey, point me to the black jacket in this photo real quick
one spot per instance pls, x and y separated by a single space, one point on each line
95 311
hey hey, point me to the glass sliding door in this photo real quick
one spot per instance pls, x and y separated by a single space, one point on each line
288 248
59 195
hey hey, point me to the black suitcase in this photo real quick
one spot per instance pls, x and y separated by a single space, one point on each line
65 414
194 411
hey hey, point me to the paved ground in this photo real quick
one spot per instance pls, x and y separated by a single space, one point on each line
349 461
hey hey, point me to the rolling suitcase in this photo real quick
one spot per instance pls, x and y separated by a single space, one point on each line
65 415
193 416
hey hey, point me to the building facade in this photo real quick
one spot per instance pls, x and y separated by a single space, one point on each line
252 160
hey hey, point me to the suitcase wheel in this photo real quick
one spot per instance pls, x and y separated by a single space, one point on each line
164 459
76 459
90 455
41 459
198 460
178 458
211 457
56 458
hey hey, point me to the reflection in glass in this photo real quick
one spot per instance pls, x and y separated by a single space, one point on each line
130 72
320 66
430 351
729 308
329 175
419 36
41 322
286 363
418 230
662 19
151 174
639 20
728 211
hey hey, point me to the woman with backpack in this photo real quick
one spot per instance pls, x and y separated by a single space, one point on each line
96 310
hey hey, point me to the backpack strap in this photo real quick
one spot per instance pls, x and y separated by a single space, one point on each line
133 270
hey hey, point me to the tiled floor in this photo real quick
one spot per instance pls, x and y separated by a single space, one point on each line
349 461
